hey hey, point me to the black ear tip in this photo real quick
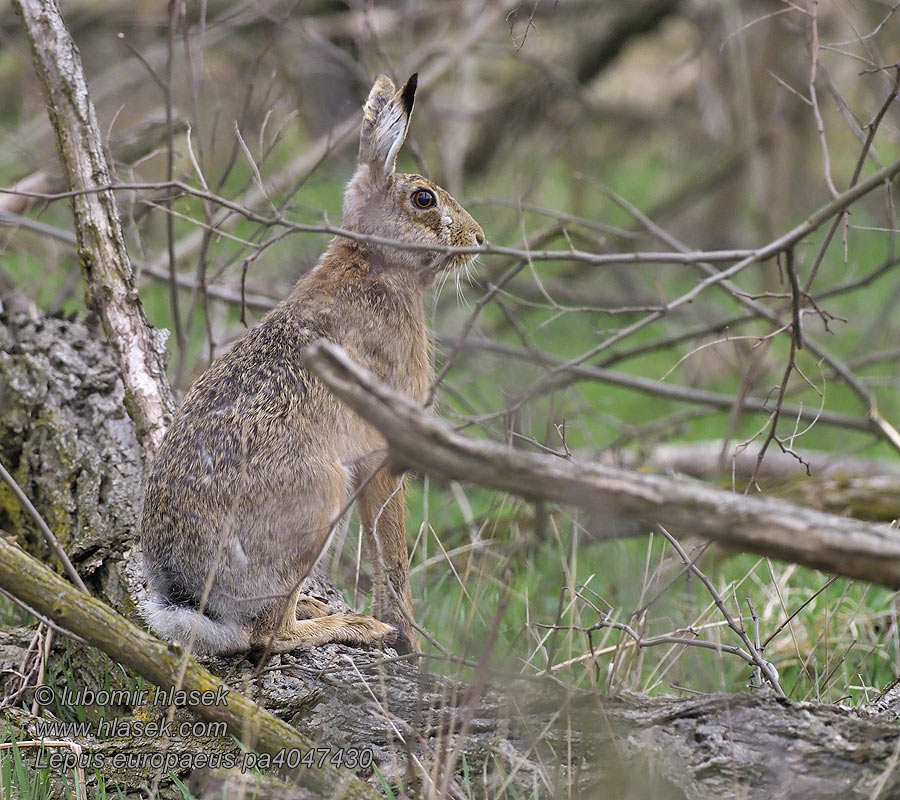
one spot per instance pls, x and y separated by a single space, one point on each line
409 91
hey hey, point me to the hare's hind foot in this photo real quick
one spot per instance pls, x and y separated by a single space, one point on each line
310 608
297 634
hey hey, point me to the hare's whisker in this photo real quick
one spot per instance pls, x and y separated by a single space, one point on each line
440 287
461 299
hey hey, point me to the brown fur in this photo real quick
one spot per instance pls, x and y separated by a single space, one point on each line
248 483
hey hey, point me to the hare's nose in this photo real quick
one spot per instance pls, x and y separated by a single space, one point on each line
479 237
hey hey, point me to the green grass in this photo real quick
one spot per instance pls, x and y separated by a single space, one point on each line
839 648
21 780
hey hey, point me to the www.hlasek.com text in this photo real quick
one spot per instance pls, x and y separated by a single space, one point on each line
129 728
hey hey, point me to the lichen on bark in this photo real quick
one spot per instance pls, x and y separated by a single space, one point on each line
67 439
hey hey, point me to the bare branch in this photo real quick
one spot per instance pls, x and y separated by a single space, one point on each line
630 500
684 394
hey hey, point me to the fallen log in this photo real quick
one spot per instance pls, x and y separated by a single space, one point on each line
165 664
853 487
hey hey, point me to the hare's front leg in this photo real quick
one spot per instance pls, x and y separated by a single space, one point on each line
382 510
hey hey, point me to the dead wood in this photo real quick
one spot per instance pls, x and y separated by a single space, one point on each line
620 501
863 488
164 664
705 460
67 440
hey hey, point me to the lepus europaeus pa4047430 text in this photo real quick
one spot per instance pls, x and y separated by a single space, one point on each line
260 458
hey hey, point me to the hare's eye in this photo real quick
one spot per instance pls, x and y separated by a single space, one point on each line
423 198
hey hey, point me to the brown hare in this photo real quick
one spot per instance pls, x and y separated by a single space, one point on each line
243 497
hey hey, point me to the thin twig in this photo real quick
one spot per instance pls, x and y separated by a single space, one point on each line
49 537
767 669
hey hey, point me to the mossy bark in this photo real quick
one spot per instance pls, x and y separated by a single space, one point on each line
165 665
70 445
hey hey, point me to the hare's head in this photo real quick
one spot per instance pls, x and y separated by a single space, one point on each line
401 206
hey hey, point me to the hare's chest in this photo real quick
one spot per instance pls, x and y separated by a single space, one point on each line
399 356
413 372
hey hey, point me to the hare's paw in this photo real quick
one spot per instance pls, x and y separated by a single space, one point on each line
361 629
310 608
354 629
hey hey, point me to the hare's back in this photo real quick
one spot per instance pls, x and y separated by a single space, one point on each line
247 428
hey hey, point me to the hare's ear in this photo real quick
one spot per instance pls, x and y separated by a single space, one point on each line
385 122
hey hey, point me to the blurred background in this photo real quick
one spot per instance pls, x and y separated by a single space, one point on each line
601 128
